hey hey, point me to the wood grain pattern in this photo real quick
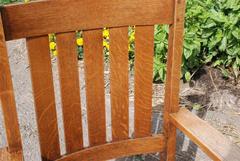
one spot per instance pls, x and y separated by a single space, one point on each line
119 82
118 149
7 98
70 92
211 141
42 82
174 60
43 16
94 75
144 51
5 155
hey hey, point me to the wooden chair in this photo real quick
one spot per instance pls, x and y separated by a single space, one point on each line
35 20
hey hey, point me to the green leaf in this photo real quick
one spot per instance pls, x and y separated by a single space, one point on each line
225 73
187 53
217 63
209 24
187 76
236 33
223 45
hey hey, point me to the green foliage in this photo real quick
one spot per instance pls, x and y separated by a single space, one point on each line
160 48
10 1
212 36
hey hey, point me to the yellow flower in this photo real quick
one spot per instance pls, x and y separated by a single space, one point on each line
106 33
106 44
132 37
80 41
52 45
26 1
129 47
55 53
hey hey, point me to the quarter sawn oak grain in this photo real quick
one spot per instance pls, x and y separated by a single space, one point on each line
55 16
35 20
119 82
44 99
70 92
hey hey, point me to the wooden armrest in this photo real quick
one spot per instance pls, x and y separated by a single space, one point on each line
7 156
211 141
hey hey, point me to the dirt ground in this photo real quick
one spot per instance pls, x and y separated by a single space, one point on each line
214 99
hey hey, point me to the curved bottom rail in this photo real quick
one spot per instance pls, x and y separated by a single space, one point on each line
118 149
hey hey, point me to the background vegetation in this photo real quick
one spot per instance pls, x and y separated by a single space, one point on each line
212 37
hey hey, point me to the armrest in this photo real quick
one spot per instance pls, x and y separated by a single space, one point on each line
7 156
211 141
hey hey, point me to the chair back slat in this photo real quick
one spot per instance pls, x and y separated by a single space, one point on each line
7 98
95 95
119 82
70 91
43 90
143 79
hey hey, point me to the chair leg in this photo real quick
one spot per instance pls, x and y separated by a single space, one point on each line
171 144
163 156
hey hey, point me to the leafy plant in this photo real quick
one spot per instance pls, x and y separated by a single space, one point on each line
11 1
212 36
160 48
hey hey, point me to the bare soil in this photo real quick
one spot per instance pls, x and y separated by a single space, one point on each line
217 99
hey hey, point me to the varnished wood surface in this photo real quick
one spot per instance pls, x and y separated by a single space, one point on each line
54 16
211 141
70 92
42 82
174 61
118 149
144 51
119 82
5 155
7 98
95 95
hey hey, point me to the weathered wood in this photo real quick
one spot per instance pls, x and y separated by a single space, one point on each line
211 141
5 155
174 60
144 51
70 92
7 98
42 82
94 75
44 16
118 149
119 82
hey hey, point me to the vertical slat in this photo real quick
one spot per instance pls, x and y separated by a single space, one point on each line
7 98
119 82
42 82
70 91
94 73
143 80
174 60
